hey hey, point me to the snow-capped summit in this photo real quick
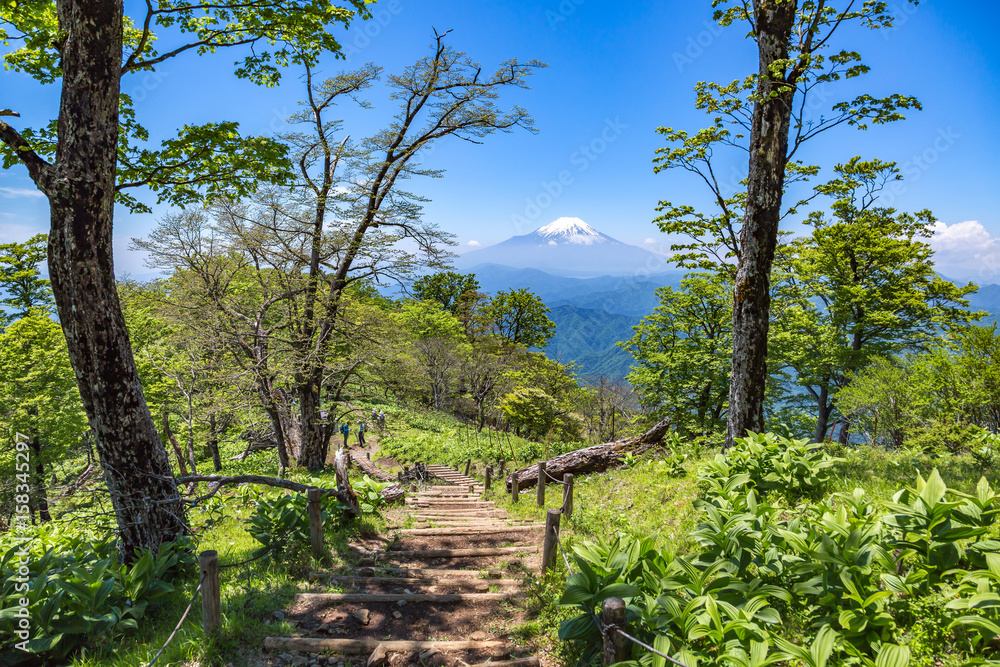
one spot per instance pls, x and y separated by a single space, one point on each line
571 230
570 247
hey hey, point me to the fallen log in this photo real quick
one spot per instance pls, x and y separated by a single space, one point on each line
590 459
393 493
371 469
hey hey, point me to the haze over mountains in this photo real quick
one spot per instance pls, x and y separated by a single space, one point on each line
597 288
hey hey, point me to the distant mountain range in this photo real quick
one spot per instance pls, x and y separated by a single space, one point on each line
568 247
597 289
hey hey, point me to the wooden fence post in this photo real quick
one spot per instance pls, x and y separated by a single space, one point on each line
515 492
501 468
541 483
468 464
489 478
567 506
616 647
211 606
316 523
549 544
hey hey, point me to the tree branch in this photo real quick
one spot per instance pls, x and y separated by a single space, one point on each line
39 170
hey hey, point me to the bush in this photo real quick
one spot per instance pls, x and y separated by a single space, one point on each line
282 520
77 592
369 492
772 463
944 437
986 450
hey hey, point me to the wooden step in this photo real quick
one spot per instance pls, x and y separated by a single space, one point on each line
428 572
449 553
518 662
450 501
366 646
438 523
472 530
479 584
430 515
324 598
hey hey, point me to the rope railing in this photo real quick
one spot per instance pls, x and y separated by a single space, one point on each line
549 475
603 628
194 597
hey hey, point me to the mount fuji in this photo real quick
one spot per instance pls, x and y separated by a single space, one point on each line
567 247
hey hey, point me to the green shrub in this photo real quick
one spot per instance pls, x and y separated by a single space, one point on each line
944 437
986 450
78 593
369 492
279 521
773 463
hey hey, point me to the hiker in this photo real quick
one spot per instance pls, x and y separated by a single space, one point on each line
345 430
374 416
361 433
381 419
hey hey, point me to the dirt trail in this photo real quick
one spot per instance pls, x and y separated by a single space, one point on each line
437 593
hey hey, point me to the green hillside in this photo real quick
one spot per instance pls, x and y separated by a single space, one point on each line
590 337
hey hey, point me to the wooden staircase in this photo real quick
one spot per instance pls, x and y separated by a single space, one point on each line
434 595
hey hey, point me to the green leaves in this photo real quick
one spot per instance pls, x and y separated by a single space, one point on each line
203 163
772 462
77 592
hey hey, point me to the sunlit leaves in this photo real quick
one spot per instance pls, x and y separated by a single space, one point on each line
205 162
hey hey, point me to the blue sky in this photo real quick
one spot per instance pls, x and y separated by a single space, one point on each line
616 72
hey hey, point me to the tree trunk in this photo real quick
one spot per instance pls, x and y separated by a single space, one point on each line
291 429
766 179
315 432
279 437
147 505
40 497
823 413
169 435
213 443
190 439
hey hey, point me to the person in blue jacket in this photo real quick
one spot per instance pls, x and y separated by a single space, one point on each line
361 433
345 430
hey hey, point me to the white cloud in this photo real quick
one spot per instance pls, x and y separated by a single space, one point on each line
17 232
650 241
966 251
475 244
14 193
